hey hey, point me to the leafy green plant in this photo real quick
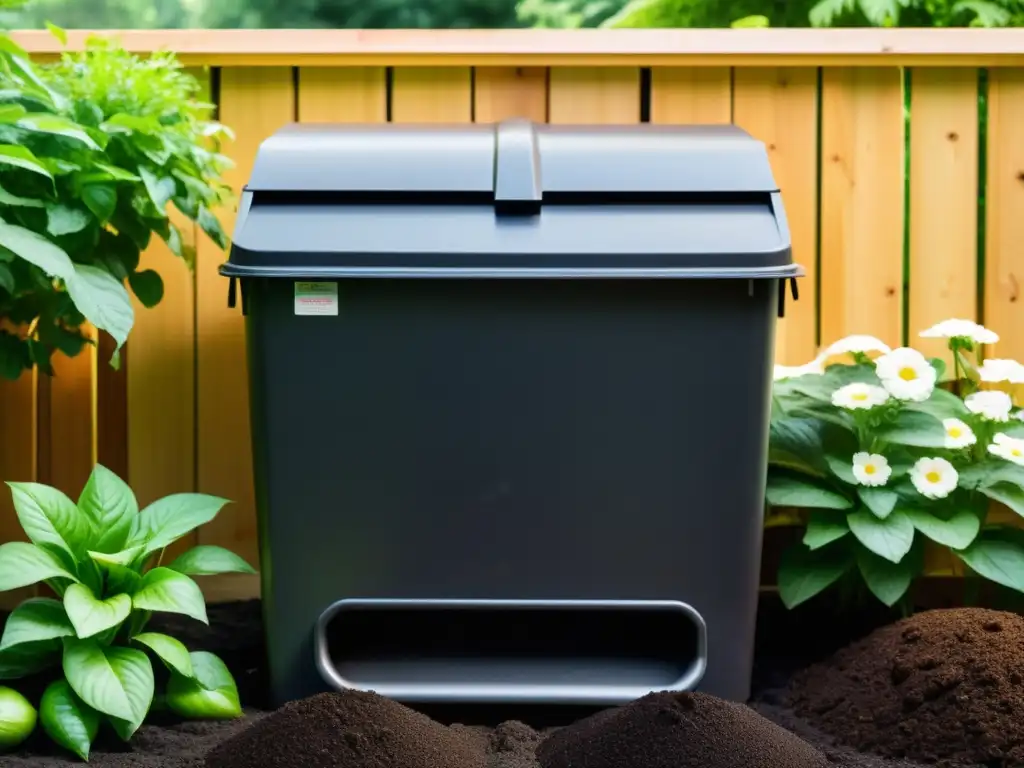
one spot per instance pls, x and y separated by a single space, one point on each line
102 559
937 13
877 457
94 149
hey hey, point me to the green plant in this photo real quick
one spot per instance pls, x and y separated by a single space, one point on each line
93 151
102 559
877 458
913 13
17 718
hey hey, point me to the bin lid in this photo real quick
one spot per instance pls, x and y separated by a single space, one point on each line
511 199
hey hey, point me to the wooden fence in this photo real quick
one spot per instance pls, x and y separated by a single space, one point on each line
889 246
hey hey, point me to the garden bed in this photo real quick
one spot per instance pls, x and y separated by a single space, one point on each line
787 643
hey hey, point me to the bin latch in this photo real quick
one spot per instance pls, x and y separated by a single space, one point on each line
234 285
517 187
793 289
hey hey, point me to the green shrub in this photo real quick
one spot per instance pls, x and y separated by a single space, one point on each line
879 458
93 151
102 559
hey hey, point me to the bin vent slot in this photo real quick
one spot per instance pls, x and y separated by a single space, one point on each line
511 652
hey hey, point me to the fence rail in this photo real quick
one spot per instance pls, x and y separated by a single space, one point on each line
900 154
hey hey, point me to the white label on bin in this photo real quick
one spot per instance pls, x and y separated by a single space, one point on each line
316 298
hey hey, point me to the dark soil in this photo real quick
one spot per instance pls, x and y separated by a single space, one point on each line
942 687
358 730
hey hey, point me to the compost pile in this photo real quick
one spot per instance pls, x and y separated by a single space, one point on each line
944 687
677 730
353 729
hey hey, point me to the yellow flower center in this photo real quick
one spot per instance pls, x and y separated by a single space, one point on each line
869 469
908 374
955 432
1016 452
860 396
933 476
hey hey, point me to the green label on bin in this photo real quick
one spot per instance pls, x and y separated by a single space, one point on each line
316 298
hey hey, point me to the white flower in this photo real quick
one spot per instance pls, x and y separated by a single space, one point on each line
854 344
996 371
816 366
906 374
958 434
859 396
961 329
1009 448
871 469
990 404
934 478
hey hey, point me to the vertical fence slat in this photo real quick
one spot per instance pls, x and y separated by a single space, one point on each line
943 201
862 203
17 459
594 95
342 95
431 95
67 426
1004 207
255 102
681 95
501 93
779 106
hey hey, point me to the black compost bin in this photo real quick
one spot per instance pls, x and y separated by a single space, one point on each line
510 395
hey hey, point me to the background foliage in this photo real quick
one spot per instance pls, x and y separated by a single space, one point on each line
442 14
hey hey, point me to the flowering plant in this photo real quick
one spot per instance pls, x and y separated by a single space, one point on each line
879 451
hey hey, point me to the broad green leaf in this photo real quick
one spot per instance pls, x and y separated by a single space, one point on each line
57 126
68 720
173 239
135 670
103 300
137 123
91 616
169 650
168 519
887 581
957 531
6 198
147 286
997 559
115 681
110 505
988 473
19 157
101 199
11 113
23 564
58 33
121 578
789 491
36 249
115 173
841 468
890 538
208 560
804 573
27 659
824 527
165 590
64 220
160 190
48 517
6 278
914 428
36 619
125 557
880 501
1006 493
212 692
211 226
942 404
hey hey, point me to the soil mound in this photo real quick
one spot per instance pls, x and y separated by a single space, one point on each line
944 687
350 729
677 730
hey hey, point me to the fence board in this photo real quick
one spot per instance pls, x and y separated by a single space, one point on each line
255 102
594 95
943 201
17 459
1004 206
342 95
431 95
779 106
500 93
862 203
67 426
681 95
